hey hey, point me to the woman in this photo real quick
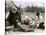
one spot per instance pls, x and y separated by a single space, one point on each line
39 21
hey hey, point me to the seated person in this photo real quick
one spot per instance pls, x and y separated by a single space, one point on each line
25 20
38 19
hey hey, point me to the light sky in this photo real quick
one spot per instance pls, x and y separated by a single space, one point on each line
25 3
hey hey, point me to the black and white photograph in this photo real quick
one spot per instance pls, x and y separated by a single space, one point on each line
24 16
